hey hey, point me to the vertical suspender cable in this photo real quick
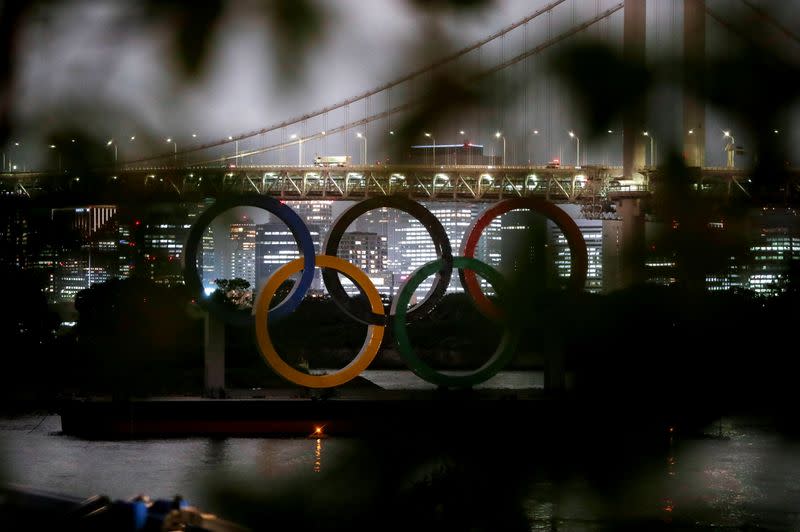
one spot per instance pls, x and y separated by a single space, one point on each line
526 107
547 95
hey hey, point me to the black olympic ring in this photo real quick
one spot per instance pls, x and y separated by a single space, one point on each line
440 241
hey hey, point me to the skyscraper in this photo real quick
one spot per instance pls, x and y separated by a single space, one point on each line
592 232
275 246
14 234
776 245
87 252
242 262
313 212
414 248
161 236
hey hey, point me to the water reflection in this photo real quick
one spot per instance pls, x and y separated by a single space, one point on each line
667 503
748 476
318 456
216 452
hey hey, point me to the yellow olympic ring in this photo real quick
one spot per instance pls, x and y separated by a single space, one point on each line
371 344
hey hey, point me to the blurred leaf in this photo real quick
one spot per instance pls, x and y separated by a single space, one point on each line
11 13
698 248
447 97
194 24
297 26
454 5
603 84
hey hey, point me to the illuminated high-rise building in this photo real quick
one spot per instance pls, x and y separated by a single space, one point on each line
88 251
84 220
14 234
365 250
384 222
413 246
275 246
776 245
162 246
312 212
242 259
592 232
207 262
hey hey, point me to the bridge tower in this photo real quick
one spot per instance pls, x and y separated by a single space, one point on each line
633 123
694 115
633 152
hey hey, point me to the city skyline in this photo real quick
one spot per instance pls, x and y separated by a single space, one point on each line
104 247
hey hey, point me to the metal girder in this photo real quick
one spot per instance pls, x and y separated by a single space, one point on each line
448 183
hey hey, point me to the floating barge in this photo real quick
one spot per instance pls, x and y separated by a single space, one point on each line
373 414
277 415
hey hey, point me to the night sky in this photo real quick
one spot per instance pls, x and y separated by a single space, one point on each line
107 68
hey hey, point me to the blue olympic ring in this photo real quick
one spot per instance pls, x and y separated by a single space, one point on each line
284 213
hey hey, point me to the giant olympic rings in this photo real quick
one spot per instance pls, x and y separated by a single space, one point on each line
376 317
296 225
440 241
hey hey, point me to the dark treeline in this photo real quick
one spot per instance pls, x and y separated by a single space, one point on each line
648 342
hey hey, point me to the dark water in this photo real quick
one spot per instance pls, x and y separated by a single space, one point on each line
737 475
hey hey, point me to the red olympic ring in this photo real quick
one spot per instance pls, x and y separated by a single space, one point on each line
579 257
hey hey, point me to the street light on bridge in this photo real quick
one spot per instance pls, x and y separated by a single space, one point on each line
531 156
730 148
578 149
359 135
110 143
434 146
58 152
652 156
236 149
299 147
500 136
175 146
11 166
606 158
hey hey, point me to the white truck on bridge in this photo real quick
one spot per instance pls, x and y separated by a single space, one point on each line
332 160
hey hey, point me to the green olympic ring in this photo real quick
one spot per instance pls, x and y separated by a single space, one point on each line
498 360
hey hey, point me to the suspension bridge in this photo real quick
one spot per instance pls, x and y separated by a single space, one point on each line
526 138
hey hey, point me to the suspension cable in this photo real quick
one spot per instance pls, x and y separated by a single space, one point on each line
375 90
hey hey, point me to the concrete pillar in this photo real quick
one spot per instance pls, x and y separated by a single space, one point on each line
633 123
632 241
694 111
555 369
214 356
